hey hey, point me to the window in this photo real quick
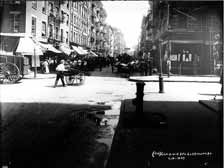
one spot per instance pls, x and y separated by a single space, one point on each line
33 30
61 35
44 7
51 31
74 19
34 4
66 37
68 4
71 21
71 36
57 11
62 16
15 22
67 19
56 30
74 37
51 7
43 33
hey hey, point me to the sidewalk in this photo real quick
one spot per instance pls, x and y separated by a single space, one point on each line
39 76
155 78
166 134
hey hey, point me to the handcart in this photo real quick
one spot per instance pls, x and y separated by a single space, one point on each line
11 70
74 76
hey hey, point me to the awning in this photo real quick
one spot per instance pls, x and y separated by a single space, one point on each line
27 46
77 50
83 50
65 49
93 54
49 47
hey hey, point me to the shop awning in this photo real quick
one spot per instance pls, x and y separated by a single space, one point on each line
76 49
83 50
49 47
93 54
27 46
65 49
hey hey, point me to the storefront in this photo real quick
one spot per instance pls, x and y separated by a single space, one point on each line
186 58
31 52
191 53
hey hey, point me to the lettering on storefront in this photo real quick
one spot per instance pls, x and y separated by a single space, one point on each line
173 57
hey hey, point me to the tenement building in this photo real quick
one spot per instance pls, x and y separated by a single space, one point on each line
146 37
189 33
80 26
60 28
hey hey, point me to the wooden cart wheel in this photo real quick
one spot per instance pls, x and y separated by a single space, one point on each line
11 72
69 79
79 78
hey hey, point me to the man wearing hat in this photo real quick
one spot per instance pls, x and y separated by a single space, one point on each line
60 73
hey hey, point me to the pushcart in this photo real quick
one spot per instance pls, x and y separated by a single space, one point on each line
74 76
11 69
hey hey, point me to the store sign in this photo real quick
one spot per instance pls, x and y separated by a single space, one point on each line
173 57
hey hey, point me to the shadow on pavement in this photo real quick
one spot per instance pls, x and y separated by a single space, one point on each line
48 135
167 134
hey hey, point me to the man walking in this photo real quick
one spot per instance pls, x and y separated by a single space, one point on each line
168 65
60 73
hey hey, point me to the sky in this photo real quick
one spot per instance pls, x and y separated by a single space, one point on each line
126 16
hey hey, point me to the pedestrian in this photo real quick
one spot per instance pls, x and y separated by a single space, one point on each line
112 63
46 66
146 67
168 65
60 69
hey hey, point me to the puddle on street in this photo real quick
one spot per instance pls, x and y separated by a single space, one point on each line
108 126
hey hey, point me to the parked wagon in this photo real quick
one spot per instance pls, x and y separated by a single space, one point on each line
11 68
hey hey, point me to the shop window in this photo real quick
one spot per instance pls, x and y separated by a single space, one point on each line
33 28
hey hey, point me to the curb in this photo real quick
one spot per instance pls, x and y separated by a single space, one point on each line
165 80
216 104
136 80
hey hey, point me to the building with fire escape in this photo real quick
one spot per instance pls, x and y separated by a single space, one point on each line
189 33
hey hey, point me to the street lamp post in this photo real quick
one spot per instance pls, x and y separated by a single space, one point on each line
35 64
161 88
